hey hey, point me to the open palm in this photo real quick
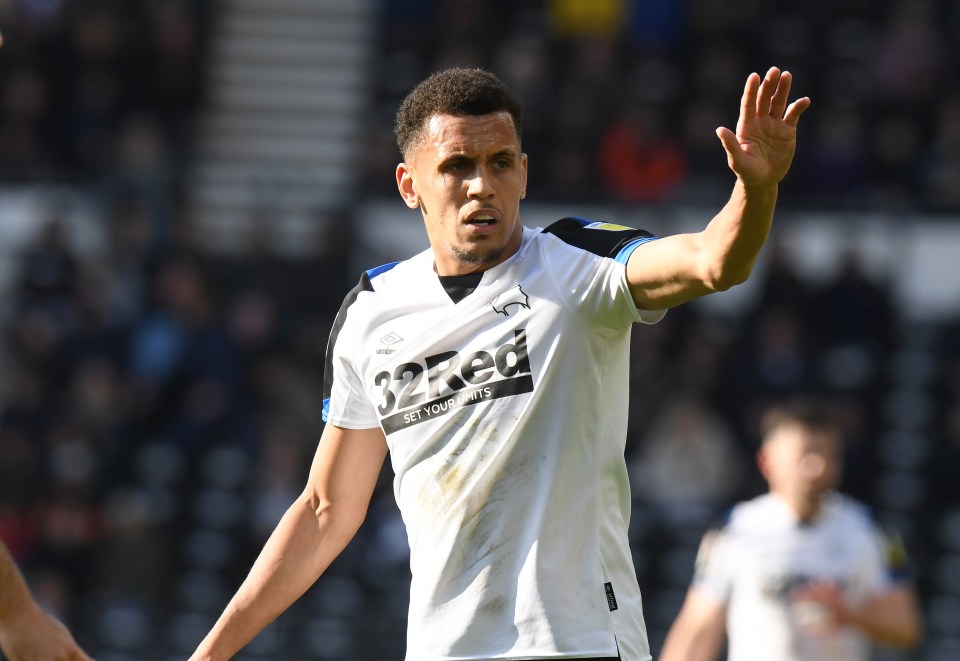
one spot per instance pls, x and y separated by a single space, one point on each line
761 150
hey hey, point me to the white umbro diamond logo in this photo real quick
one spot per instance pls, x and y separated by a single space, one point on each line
390 339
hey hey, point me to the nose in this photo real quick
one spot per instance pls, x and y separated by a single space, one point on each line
813 466
479 187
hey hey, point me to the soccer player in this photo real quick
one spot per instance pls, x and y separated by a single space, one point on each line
494 368
800 573
27 633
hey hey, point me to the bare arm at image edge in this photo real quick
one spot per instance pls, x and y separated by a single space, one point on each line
675 269
314 530
27 633
698 632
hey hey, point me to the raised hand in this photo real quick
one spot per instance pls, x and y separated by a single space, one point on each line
761 150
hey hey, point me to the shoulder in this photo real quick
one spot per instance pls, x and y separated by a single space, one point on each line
853 517
603 239
377 288
757 512
849 513
396 275
385 280
717 536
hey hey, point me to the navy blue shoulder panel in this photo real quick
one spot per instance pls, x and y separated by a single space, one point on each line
602 239
365 284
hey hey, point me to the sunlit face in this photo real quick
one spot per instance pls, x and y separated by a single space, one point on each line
467 175
801 463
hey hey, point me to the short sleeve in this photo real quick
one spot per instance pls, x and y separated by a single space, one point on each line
345 401
712 573
885 563
587 262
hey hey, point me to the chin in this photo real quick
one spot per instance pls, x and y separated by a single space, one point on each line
486 255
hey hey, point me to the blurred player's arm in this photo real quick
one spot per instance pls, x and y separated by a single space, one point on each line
891 617
27 633
674 269
698 632
314 530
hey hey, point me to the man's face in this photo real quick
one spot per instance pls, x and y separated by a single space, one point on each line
801 463
467 175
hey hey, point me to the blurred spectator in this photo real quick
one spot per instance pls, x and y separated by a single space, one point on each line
835 164
940 172
688 465
853 308
638 161
586 17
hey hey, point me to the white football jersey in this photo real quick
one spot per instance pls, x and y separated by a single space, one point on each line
755 561
505 414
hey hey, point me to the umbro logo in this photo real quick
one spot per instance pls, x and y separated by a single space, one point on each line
513 296
389 340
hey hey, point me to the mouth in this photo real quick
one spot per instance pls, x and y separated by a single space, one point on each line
481 219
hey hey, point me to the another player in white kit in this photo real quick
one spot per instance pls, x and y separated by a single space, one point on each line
801 573
494 368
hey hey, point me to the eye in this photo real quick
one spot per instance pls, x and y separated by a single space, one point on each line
457 165
502 163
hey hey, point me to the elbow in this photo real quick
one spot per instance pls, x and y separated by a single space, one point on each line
910 637
340 517
724 277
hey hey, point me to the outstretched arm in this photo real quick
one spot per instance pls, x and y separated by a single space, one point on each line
310 535
27 633
675 269
698 632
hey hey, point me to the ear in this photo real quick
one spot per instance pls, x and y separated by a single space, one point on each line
405 185
523 181
763 464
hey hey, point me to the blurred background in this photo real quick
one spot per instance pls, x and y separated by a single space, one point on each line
188 188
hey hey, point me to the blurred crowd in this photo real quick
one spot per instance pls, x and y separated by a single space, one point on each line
622 96
159 411
91 88
159 405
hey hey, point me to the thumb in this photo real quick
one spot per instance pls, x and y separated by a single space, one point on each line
729 140
730 144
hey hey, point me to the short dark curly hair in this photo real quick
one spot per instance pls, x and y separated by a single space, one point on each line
802 410
454 91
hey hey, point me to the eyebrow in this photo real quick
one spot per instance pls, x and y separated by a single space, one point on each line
453 158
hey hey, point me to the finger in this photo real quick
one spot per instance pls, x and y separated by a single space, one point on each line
730 144
779 102
77 654
767 89
748 102
795 109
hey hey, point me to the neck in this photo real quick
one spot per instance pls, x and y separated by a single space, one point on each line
805 508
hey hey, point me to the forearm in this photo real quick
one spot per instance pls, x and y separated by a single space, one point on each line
307 539
688 648
698 632
732 240
892 624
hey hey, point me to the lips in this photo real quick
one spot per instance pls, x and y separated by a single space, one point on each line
482 218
